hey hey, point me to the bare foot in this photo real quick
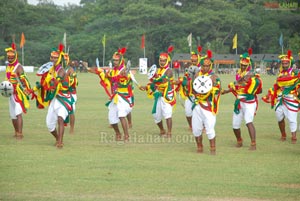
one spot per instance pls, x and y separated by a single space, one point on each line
59 145
239 143
169 135
200 149
118 137
162 132
294 140
252 146
19 136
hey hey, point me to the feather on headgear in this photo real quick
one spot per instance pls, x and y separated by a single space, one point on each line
207 59
119 55
166 56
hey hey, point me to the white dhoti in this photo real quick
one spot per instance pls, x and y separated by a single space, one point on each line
247 113
117 110
74 103
55 110
15 108
202 118
188 104
163 110
283 112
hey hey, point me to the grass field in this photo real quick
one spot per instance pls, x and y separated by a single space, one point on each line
92 166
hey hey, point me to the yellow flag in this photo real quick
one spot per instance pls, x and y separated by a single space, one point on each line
234 42
22 42
104 40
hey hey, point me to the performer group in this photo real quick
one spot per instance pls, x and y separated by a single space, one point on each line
199 87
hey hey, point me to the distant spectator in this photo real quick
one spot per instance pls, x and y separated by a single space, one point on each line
176 67
80 66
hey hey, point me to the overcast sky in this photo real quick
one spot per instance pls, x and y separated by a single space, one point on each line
57 2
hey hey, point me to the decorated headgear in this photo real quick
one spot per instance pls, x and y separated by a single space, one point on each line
120 56
58 53
245 58
166 56
287 57
66 58
195 56
207 59
11 52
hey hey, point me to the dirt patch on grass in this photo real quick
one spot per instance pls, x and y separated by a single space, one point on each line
292 186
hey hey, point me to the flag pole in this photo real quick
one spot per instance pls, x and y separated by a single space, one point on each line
103 55
23 56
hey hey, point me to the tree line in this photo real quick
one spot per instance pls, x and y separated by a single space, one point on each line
213 24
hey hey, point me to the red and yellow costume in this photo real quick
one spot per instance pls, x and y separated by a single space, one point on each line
162 85
285 88
245 90
54 87
206 106
284 96
21 85
209 101
116 82
185 87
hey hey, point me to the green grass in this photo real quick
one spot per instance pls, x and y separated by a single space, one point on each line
92 166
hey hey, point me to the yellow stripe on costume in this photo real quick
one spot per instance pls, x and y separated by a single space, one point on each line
254 85
284 83
22 96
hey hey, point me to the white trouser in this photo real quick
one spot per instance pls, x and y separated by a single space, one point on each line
188 104
163 110
15 108
74 103
202 118
117 110
247 113
282 112
55 110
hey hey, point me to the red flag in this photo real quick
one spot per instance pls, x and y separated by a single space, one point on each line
22 42
143 42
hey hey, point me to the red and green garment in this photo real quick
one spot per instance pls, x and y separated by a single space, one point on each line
116 85
185 88
211 100
20 84
284 92
161 87
247 92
